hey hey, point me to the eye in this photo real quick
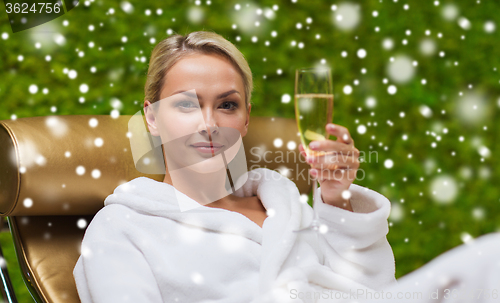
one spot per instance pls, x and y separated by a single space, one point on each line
229 105
185 104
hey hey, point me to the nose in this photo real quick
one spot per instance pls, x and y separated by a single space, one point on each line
213 129
209 124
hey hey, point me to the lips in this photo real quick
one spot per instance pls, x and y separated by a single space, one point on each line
207 147
207 144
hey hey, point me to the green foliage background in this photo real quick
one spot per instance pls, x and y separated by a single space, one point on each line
468 66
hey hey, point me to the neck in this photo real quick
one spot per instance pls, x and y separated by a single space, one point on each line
203 188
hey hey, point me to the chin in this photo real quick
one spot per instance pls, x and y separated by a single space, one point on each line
209 165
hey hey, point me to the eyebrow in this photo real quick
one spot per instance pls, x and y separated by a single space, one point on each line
220 96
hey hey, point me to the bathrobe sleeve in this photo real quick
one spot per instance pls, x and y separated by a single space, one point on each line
111 268
356 246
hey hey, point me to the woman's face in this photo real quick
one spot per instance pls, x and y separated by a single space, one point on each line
201 112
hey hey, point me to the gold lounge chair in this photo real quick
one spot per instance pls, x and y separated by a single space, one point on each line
44 198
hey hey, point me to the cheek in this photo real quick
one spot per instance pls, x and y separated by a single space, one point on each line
235 121
178 125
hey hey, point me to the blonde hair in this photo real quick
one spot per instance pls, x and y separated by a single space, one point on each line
172 49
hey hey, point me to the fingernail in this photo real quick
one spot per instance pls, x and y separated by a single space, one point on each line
331 126
313 145
314 171
309 159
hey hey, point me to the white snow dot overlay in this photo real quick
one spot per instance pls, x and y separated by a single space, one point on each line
489 27
443 189
284 171
401 69
388 43
388 163
98 142
81 223
361 129
347 89
346 194
346 16
197 278
84 88
96 174
371 102
397 212
323 229
115 114
286 98
80 170
464 23
361 53
425 111
72 74
392 89
466 238
28 202
33 88
93 122
278 142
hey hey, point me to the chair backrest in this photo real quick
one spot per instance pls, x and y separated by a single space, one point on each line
55 173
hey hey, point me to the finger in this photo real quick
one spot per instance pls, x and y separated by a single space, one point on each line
329 175
333 175
332 166
341 132
334 157
333 163
333 146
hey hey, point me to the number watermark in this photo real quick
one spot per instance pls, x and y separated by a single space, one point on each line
26 14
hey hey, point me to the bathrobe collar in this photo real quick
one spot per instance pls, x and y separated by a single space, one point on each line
278 195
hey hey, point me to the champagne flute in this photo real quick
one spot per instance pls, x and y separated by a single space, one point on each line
313 110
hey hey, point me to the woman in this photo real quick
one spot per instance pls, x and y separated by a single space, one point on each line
238 245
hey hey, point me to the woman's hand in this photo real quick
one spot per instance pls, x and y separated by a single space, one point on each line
335 170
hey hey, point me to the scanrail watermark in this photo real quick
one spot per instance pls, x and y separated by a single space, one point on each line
333 164
355 294
464 294
298 173
261 155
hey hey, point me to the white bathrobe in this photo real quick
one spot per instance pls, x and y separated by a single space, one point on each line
141 248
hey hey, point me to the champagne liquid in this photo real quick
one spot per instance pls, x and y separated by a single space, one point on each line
313 112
